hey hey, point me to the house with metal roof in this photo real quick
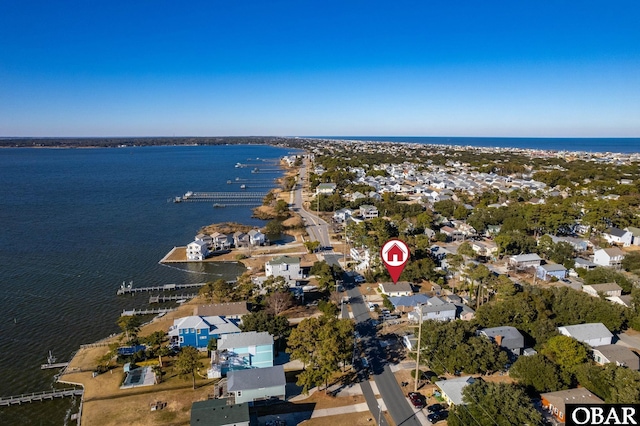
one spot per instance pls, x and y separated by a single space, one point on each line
240 351
196 331
593 334
263 384
197 250
287 267
521 261
435 309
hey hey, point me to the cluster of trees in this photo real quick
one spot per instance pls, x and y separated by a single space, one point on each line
276 325
221 291
564 362
454 347
539 311
494 404
325 274
324 344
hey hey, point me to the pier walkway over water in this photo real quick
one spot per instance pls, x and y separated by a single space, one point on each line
39 396
156 311
162 298
221 196
166 287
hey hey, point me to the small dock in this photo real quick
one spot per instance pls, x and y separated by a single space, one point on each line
164 298
156 311
166 287
54 365
39 396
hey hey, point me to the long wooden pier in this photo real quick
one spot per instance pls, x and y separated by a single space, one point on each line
39 396
163 298
221 196
156 311
54 365
166 287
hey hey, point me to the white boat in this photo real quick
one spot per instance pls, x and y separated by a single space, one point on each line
243 186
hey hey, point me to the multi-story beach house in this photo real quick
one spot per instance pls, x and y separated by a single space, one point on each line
196 331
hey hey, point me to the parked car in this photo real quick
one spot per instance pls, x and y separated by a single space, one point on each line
417 400
436 417
435 408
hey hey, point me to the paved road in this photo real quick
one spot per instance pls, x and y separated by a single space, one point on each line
391 393
394 399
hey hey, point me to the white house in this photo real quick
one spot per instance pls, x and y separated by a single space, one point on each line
402 288
197 250
608 257
593 334
435 309
342 215
635 233
326 188
618 236
368 212
284 266
256 238
529 260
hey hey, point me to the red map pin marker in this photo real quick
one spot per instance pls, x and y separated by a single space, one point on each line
395 255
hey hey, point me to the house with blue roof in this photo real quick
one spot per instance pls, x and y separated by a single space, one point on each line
196 331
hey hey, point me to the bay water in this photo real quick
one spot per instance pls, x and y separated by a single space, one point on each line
76 223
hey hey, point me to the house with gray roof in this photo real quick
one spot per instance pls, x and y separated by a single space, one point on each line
249 386
401 288
584 263
216 412
593 334
196 330
616 354
451 389
551 270
506 337
521 261
407 303
618 236
241 351
635 235
435 309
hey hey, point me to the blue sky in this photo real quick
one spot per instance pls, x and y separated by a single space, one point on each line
294 68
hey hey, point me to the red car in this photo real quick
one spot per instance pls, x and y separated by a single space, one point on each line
417 400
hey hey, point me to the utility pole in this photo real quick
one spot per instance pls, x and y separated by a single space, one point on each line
418 356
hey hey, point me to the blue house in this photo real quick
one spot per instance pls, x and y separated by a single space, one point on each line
550 270
241 351
197 330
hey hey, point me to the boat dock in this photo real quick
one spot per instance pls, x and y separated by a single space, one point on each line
129 289
221 196
162 298
132 312
39 396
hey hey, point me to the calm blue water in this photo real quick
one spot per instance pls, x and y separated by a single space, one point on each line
76 223
624 145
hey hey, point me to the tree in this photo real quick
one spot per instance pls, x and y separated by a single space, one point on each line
312 246
539 373
274 228
566 351
494 404
260 321
279 301
188 363
130 325
631 262
222 291
465 249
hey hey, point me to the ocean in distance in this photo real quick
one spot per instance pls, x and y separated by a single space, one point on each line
621 145
79 222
